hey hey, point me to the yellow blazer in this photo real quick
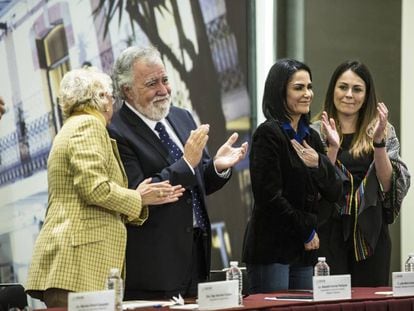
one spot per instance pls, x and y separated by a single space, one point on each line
83 235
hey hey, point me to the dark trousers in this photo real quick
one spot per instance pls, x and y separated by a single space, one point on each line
196 273
372 272
375 270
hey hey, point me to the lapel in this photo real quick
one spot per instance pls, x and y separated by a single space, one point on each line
182 126
142 132
179 127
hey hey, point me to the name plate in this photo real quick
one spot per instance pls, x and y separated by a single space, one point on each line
403 283
332 287
218 295
92 301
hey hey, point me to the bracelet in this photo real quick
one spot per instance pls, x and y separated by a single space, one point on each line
381 144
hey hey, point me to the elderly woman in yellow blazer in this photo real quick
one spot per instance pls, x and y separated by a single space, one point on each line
83 235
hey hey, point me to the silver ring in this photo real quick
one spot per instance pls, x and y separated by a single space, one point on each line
303 151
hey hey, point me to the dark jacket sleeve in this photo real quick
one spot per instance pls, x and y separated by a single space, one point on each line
326 176
176 173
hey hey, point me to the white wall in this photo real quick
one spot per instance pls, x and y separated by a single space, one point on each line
407 113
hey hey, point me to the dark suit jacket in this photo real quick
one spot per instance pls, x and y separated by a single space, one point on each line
286 195
159 252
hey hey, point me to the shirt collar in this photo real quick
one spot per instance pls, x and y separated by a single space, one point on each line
303 130
150 123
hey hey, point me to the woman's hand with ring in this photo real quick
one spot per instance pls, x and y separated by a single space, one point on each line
306 153
159 193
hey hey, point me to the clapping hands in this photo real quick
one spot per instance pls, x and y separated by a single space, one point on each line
193 148
380 126
329 129
227 156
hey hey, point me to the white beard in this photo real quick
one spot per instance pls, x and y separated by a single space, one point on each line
158 109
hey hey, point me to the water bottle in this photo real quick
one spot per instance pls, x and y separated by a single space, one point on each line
409 263
114 282
321 268
234 273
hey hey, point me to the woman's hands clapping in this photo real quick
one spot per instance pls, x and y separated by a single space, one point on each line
332 136
381 125
329 129
159 193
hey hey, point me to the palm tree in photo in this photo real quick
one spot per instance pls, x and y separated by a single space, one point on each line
201 79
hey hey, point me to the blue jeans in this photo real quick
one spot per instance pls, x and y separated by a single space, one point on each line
275 277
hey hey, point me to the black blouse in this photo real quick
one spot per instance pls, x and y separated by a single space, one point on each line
358 167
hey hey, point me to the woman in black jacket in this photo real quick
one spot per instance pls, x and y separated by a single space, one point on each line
289 173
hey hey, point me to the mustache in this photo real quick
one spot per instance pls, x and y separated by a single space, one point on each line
161 98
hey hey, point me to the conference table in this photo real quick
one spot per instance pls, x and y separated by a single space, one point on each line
363 299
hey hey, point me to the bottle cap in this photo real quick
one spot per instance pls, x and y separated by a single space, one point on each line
321 258
234 263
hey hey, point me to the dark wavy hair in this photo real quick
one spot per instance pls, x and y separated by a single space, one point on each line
274 97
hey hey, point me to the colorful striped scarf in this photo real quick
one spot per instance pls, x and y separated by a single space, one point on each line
353 199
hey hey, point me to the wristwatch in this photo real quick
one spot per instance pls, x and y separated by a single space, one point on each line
381 144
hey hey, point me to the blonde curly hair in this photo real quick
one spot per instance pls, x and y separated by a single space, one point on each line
84 88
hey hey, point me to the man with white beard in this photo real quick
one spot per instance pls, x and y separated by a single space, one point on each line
170 253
